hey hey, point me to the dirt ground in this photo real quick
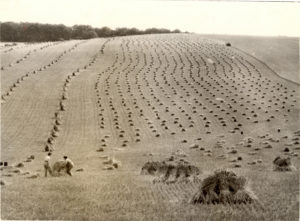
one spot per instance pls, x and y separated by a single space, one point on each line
111 105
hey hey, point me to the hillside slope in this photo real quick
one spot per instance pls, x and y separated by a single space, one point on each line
146 98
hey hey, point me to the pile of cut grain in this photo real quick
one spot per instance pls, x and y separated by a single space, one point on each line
171 172
223 187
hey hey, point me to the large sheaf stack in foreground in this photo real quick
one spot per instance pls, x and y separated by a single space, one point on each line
223 187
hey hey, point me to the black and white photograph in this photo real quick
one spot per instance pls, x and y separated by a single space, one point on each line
149 110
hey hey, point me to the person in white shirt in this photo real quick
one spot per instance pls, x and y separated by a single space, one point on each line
47 165
69 165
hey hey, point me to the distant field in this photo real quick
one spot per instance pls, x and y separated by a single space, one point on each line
279 53
114 104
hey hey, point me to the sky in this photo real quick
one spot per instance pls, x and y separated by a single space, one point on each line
203 17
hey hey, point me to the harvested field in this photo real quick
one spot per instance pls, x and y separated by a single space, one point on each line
112 105
279 53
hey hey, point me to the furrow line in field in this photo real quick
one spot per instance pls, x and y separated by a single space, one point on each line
27 55
108 119
14 86
13 48
8 109
58 115
34 62
47 90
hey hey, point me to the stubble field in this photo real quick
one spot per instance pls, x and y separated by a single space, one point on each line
140 99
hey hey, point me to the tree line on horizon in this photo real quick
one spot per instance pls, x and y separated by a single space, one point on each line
36 32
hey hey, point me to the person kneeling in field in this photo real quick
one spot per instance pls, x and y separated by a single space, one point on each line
69 165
